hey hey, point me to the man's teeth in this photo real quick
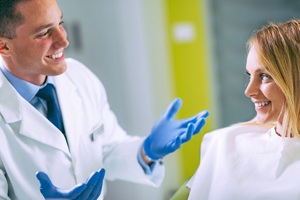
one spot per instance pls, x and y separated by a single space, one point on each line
262 104
56 55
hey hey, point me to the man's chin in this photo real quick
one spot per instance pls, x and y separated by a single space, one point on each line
58 71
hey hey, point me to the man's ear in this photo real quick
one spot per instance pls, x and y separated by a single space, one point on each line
4 50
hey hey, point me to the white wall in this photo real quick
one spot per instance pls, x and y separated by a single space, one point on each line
123 42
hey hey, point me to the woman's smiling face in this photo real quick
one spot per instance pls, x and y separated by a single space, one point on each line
267 97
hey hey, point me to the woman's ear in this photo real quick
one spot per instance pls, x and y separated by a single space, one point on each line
4 50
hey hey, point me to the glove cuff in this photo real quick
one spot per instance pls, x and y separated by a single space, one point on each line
148 154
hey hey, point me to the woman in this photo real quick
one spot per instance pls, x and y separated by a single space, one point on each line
260 159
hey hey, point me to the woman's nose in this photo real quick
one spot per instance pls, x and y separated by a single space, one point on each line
252 88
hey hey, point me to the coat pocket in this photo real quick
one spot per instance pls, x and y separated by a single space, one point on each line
97 132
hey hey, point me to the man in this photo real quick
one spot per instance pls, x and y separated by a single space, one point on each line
55 121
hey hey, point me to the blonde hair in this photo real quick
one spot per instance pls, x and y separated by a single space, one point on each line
278 48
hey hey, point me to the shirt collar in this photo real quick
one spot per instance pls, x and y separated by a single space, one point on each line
25 89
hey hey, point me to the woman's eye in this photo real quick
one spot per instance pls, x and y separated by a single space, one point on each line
248 77
265 77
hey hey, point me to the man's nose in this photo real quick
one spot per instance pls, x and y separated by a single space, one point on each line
61 40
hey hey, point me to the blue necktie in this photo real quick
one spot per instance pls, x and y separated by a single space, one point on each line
48 93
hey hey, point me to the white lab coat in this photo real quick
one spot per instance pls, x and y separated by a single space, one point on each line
30 143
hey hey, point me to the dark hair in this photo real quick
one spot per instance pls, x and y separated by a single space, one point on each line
10 19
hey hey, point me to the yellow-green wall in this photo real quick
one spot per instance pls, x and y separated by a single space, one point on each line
189 65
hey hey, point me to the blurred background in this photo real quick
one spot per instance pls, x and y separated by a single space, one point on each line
147 52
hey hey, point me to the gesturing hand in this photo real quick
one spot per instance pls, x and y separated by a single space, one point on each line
168 134
89 190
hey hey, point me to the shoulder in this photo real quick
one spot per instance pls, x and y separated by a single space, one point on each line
229 135
82 78
81 74
76 67
73 62
238 129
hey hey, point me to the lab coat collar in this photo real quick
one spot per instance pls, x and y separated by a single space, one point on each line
34 125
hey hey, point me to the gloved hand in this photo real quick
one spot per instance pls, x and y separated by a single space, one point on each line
168 135
89 190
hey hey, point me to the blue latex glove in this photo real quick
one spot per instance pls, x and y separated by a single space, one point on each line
89 190
168 135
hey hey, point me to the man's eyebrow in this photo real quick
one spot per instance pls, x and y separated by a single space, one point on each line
44 26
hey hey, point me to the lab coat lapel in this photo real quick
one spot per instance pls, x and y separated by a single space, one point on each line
26 120
38 127
70 104
9 104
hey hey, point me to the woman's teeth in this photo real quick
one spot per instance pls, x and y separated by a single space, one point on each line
262 104
56 55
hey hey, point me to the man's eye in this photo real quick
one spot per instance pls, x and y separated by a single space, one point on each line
45 34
